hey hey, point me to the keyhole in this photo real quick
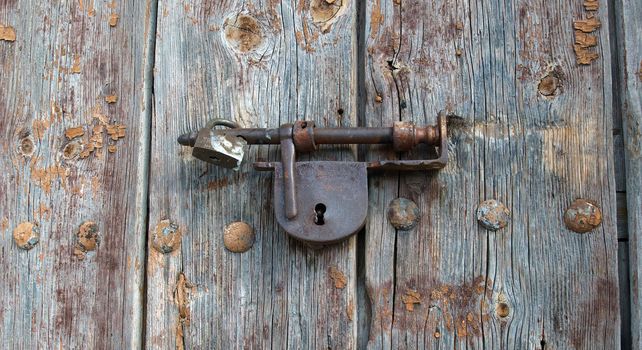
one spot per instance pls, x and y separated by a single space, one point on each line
319 210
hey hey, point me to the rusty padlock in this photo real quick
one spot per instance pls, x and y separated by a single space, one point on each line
220 149
319 202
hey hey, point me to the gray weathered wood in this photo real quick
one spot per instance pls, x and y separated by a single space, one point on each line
260 63
628 20
484 62
65 60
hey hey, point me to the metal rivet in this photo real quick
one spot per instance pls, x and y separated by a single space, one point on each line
582 216
403 214
238 237
26 235
493 215
88 239
166 237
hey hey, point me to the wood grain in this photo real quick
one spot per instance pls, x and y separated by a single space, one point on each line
532 143
261 64
628 18
65 60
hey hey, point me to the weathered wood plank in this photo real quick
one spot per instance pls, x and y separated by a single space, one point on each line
534 132
66 61
628 20
260 63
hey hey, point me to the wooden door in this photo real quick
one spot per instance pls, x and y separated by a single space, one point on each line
112 233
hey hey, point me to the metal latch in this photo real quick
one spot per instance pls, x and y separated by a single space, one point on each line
318 202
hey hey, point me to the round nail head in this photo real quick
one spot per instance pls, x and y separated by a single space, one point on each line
166 237
493 215
238 237
26 235
582 216
403 214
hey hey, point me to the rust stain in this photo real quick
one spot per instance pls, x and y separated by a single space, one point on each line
216 184
40 126
350 310
72 133
181 298
4 224
7 33
338 278
43 212
113 19
95 141
585 40
411 298
591 5
111 99
460 305
75 67
44 177
588 25
376 18
116 131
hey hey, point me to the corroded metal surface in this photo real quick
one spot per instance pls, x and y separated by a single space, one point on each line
583 215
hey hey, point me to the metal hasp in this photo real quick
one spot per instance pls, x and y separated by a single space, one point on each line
319 202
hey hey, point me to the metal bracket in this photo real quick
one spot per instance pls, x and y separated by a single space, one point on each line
319 202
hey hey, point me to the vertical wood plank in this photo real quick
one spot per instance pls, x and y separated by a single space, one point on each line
628 19
261 64
72 67
534 132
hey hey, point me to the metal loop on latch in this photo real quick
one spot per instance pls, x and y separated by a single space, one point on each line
221 122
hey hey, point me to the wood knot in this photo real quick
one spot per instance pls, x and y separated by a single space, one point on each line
72 150
243 33
326 12
26 235
26 146
551 84
166 237
238 237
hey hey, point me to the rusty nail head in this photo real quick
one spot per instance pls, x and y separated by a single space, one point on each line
88 236
582 216
238 237
403 214
26 235
166 237
493 215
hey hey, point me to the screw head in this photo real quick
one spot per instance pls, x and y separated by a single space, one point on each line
403 214
238 237
26 235
493 215
583 215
